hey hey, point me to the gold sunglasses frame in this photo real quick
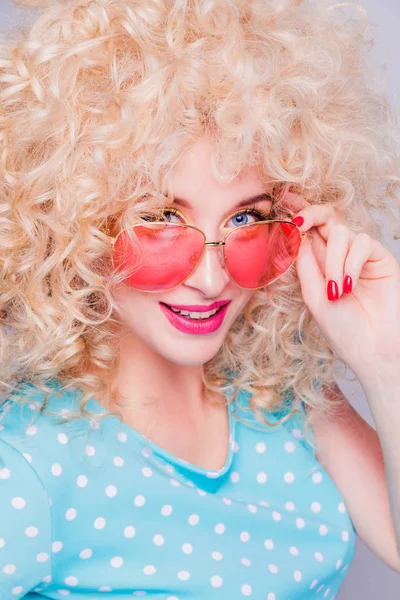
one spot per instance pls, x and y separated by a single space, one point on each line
221 243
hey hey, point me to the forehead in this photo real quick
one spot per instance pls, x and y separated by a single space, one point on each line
193 178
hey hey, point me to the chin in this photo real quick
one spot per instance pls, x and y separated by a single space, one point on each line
200 353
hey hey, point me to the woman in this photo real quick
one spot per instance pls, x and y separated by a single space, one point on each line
186 252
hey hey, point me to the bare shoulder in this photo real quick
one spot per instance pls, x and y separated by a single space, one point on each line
350 451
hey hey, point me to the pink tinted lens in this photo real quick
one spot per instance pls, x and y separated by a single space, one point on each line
162 255
259 253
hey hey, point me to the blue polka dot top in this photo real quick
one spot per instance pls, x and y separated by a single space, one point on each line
93 509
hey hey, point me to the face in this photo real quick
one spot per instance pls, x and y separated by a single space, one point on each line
213 208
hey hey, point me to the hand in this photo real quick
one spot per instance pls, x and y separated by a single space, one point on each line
363 326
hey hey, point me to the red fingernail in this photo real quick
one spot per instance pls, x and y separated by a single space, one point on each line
347 285
298 221
332 290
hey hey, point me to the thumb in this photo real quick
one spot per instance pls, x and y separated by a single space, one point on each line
311 279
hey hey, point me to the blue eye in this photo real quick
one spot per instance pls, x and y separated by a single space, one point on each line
174 213
242 218
170 215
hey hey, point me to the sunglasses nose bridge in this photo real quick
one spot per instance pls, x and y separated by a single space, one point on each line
220 252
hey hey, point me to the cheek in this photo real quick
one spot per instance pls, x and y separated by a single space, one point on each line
128 298
133 305
142 320
246 296
238 306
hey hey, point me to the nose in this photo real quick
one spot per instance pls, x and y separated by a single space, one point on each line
210 275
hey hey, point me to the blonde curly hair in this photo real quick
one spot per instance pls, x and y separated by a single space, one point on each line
99 99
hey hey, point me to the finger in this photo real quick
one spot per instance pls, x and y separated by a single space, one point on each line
377 250
362 250
337 249
322 216
319 249
311 279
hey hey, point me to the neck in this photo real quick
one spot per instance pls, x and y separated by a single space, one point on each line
150 384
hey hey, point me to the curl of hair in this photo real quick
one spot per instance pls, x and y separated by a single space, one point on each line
99 99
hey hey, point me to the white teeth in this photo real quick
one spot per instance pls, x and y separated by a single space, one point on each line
195 315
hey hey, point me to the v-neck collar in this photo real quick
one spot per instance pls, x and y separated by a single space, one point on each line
173 466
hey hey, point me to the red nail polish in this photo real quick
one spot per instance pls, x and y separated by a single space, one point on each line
298 221
347 285
332 290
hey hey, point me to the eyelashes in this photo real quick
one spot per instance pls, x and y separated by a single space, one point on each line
161 214
263 216
260 214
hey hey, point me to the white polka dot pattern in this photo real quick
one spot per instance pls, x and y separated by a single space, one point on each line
125 515
25 522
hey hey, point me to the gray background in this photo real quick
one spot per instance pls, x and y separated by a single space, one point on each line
368 578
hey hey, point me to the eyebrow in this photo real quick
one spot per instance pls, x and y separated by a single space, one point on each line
248 201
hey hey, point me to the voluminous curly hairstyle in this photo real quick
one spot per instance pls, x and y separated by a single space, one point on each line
99 99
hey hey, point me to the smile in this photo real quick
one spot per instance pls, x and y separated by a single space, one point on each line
195 315
195 322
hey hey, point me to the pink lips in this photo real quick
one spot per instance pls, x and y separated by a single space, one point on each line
196 326
199 307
